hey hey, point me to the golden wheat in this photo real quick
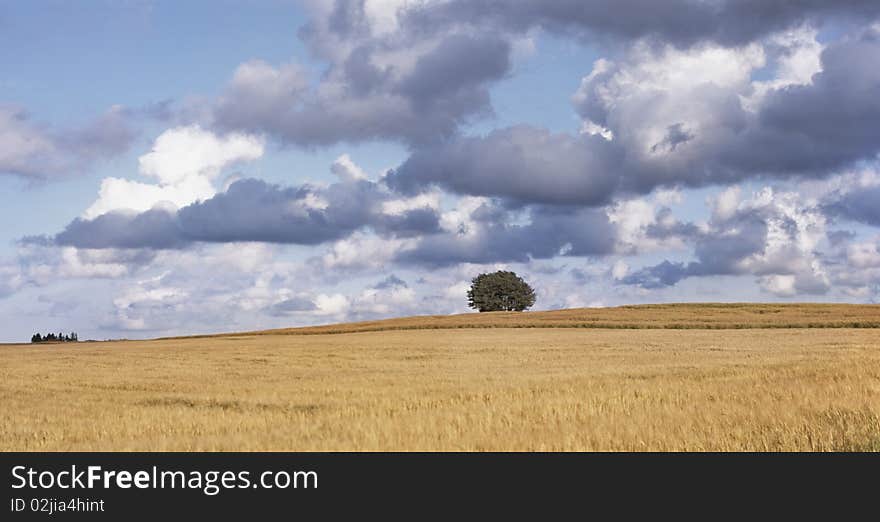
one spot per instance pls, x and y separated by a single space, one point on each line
451 389
674 315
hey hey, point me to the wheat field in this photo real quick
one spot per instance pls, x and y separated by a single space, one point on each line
662 384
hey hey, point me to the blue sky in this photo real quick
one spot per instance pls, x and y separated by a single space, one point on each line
183 167
134 53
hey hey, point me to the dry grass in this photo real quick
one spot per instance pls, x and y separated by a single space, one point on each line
677 316
453 389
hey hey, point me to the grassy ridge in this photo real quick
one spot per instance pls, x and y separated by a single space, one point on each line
678 316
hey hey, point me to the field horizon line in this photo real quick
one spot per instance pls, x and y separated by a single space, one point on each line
652 316
485 320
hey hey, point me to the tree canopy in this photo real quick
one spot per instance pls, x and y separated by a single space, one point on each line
500 291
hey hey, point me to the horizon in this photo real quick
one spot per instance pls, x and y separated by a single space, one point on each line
171 170
634 325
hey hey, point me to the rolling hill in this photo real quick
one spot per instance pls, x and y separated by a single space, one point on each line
663 316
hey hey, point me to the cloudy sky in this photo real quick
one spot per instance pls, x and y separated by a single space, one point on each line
180 167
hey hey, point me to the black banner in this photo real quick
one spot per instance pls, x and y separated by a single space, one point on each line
418 485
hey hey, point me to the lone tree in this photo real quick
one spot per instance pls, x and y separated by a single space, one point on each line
500 292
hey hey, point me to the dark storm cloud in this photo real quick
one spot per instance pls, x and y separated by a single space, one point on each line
458 49
157 229
520 163
412 223
253 210
356 100
819 127
680 22
798 131
550 232
363 76
459 64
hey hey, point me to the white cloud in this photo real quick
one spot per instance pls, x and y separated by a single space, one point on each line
11 279
459 219
335 304
347 170
134 196
140 295
798 56
265 88
183 152
619 269
457 290
361 251
185 161
396 207
864 255
588 127
659 88
91 264
795 228
724 205
779 285
397 300
633 217
575 301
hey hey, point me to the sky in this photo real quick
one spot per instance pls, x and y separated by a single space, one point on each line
170 168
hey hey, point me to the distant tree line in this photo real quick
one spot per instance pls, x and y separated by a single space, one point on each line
55 338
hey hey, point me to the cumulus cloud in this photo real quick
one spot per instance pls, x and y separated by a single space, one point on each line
260 92
347 170
191 151
360 251
414 72
522 163
379 85
680 22
647 224
156 229
775 236
688 94
673 117
37 262
11 279
148 298
184 161
253 210
490 237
